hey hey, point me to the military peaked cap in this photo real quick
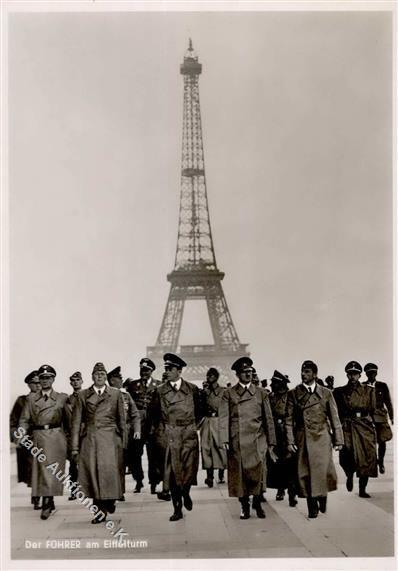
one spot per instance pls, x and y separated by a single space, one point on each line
370 367
310 365
76 376
213 371
353 367
29 378
242 364
46 371
99 367
115 373
148 363
174 361
277 376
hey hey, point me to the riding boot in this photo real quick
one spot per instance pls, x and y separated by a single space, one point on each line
245 507
210 477
313 509
221 476
363 482
176 496
257 507
381 454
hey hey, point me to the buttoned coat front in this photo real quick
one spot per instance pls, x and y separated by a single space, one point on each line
246 424
39 412
101 442
175 416
313 425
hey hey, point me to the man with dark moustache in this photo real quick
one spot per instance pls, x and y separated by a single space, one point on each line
141 390
76 382
45 416
213 453
282 473
247 431
176 411
24 457
99 450
133 422
356 404
384 409
312 428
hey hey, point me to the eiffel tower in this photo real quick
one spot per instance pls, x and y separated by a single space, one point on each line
195 275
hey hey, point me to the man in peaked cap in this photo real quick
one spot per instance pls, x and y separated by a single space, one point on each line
176 410
282 473
246 430
312 426
141 391
45 415
356 404
24 457
384 409
76 382
100 449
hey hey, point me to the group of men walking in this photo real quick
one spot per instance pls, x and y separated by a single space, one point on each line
281 439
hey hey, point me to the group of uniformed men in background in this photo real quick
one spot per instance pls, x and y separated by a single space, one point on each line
281 439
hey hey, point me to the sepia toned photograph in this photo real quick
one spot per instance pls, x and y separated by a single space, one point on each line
198 226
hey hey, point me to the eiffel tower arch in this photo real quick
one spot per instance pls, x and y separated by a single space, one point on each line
195 275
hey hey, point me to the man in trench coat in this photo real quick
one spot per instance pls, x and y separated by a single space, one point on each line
312 427
45 417
213 452
356 404
175 411
384 409
99 448
76 382
24 457
246 430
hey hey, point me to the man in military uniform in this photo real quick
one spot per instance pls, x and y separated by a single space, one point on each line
384 410
133 421
176 410
141 391
45 417
312 427
24 457
247 431
76 382
99 449
282 473
356 404
213 453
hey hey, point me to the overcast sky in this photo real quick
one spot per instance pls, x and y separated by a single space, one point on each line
297 126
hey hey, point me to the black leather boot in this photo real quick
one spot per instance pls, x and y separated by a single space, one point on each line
363 482
221 476
322 501
177 503
257 507
313 509
245 507
46 507
210 477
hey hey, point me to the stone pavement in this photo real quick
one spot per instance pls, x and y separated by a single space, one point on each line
352 527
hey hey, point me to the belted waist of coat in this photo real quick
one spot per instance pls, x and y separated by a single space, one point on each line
181 423
279 420
45 426
358 414
212 415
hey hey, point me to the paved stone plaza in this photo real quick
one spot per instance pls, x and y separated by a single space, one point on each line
352 527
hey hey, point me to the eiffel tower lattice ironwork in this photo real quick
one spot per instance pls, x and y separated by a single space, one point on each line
195 274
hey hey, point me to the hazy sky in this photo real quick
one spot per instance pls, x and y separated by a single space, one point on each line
297 125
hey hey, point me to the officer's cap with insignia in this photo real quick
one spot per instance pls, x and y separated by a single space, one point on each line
310 365
174 361
242 364
277 376
213 371
76 376
370 367
146 363
353 367
46 371
99 367
115 373
30 378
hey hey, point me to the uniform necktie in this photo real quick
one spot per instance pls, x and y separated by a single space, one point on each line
46 397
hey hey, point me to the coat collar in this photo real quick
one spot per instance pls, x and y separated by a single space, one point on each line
251 389
183 388
52 396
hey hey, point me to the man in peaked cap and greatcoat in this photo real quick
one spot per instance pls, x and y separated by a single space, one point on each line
133 421
246 430
176 412
213 453
100 448
24 457
45 416
282 473
356 404
141 391
311 417
76 382
384 409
